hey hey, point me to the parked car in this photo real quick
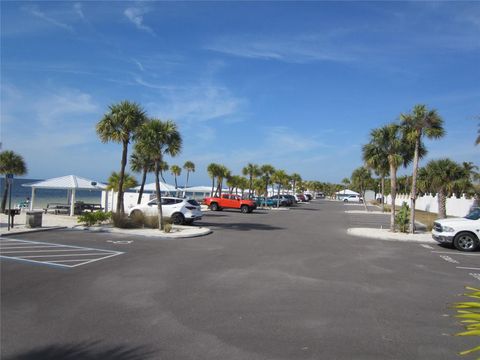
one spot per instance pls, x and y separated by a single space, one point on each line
301 197
320 195
282 200
308 196
262 201
180 211
462 233
230 201
292 199
352 198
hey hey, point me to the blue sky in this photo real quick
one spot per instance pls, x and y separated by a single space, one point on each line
298 85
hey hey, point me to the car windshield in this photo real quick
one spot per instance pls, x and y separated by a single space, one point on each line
474 214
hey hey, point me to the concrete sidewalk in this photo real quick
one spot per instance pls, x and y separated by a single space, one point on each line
55 222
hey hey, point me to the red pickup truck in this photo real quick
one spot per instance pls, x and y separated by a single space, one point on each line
229 201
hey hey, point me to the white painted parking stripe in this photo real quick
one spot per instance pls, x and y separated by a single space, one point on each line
455 253
468 268
49 253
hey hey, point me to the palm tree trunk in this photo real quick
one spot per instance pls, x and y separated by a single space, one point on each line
413 194
159 196
213 185
250 186
442 204
186 184
5 194
144 179
121 176
383 193
364 201
393 193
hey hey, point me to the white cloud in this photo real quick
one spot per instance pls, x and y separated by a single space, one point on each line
135 15
33 10
78 9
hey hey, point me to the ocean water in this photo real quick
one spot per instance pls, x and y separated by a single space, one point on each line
44 196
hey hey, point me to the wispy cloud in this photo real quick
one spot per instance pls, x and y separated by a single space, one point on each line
135 15
33 10
293 49
78 9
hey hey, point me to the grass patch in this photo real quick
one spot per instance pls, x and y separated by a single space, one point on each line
426 218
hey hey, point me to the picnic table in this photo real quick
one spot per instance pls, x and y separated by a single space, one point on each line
79 208
57 208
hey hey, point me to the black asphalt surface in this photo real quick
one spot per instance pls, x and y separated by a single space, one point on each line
267 285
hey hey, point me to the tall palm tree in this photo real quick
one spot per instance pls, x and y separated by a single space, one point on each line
252 170
232 183
10 163
160 138
267 171
295 178
223 173
242 184
280 178
175 170
141 163
420 123
120 125
442 176
188 167
378 161
388 140
213 170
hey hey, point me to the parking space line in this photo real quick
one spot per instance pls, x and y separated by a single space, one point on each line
468 268
52 254
455 253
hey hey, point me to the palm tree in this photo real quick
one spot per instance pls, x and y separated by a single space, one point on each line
223 173
280 178
420 123
361 179
10 163
295 178
213 170
242 184
120 125
378 161
160 138
141 163
163 167
175 170
442 176
113 182
388 141
252 170
267 171
188 167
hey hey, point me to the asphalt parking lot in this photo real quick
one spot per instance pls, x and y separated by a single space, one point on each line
268 285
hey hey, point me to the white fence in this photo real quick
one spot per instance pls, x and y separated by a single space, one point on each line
455 206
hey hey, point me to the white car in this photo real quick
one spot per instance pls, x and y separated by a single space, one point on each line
352 198
463 233
180 211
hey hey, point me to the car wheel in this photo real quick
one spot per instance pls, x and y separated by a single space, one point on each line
214 207
178 219
465 241
345 200
244 209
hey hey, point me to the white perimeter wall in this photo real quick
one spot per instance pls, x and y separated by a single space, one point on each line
455 207
109 200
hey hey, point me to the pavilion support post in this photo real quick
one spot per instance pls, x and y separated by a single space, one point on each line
72 205
33 198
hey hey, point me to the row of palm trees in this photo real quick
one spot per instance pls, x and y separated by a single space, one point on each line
401 143
257 179
153 139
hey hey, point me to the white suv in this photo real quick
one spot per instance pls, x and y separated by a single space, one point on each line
180 211
463 233
352 198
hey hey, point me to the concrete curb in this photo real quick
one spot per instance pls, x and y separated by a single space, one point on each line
152 233
386 235
34 230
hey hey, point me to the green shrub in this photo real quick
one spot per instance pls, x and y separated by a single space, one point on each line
93 218
167 227
402 219
151 222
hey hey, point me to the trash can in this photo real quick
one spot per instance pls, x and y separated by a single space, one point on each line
34 219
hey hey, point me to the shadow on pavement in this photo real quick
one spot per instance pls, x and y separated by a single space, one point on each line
239 226
85 351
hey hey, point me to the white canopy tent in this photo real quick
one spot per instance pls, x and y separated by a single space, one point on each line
71 183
